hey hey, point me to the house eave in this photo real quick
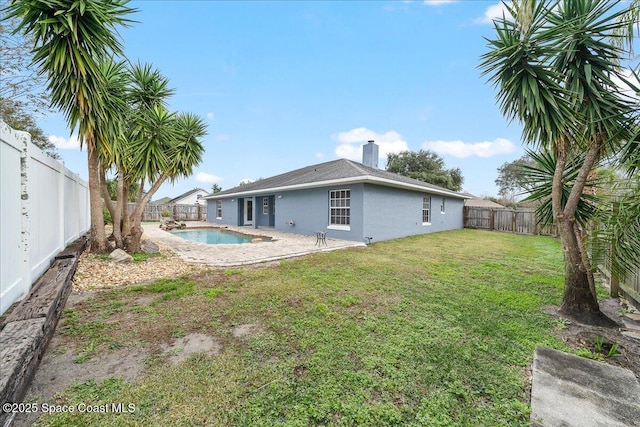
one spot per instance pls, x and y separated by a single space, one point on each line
367 179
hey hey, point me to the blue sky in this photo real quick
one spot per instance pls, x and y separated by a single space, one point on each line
283 85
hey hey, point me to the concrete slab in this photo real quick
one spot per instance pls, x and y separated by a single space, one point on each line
569 390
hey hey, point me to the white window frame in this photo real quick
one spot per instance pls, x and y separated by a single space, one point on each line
218 209
442 206
340 209
426 210
265 206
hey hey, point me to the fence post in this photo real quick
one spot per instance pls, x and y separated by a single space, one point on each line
61 200
492 219
25 222
614 282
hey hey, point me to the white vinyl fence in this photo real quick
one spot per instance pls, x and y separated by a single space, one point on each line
44 206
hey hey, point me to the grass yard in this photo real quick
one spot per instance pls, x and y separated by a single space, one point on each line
434 330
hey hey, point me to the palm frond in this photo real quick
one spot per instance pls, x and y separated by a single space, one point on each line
539 179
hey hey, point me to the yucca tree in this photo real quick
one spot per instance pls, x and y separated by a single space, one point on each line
71 38
167 147
142 88
538 177
111 135
554 65
160 145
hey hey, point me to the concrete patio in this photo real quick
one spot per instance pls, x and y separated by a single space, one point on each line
283 245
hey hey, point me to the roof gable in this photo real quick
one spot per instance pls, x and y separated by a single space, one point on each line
188 193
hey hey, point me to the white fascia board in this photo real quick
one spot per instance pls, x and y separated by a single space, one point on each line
368 179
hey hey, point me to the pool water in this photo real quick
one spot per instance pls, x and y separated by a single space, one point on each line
213 236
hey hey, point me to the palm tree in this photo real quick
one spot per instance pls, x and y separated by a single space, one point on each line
167 146
111 133
71 37
554 65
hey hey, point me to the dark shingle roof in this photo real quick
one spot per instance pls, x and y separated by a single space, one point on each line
333 172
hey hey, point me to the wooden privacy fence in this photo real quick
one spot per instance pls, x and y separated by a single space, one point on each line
628 286
177 212
521 220
524 221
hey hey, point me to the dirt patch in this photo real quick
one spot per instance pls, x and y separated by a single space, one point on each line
58 370
183 347
247 330
580 336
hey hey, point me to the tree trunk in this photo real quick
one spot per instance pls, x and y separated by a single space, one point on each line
113 210
586 260
579 302
135 233
124 208
98 238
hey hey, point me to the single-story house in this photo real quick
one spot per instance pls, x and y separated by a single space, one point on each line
191 197
160 202
346 199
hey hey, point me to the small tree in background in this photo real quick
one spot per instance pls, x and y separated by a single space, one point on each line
22 89
425 166
511 181
19 116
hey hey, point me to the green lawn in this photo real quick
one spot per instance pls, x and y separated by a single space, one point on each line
434 330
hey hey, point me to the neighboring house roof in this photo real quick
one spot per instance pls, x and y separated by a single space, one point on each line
162 201
187 194
476 202
336 172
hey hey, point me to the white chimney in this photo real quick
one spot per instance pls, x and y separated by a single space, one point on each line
370 155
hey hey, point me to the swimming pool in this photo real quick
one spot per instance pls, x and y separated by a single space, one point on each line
214 236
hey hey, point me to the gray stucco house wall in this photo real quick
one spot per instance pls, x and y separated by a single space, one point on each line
379 205
390 213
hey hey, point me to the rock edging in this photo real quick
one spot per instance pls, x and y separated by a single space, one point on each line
28 329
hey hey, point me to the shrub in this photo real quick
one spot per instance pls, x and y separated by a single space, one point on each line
107 216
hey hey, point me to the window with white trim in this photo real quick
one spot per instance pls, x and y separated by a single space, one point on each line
426 209
340 207
218 209
442 205
265 206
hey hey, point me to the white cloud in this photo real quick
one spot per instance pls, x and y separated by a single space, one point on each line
207 178
319 155
438 2
211 116
245 181
352 141
223 137
63 143
493 12
466 149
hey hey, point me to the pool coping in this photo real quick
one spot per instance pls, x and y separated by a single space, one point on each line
282 245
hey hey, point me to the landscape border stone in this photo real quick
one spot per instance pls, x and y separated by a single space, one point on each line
26 332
